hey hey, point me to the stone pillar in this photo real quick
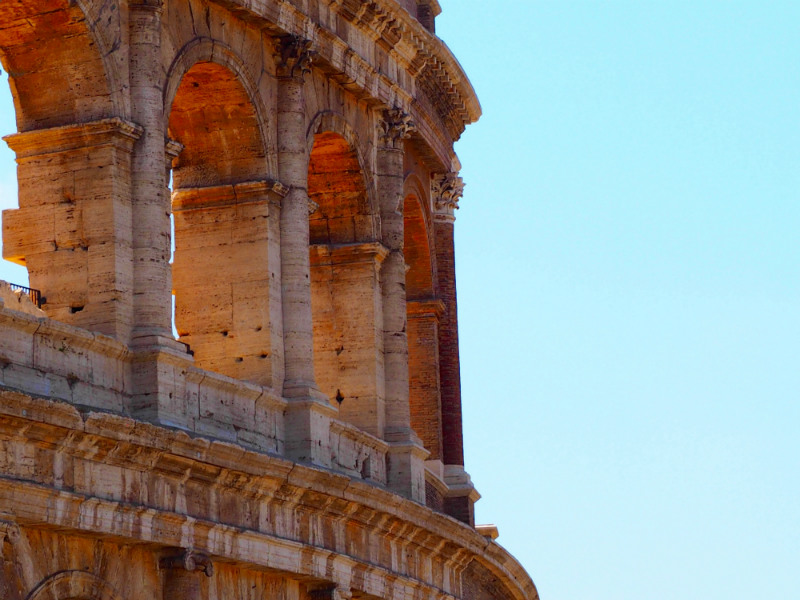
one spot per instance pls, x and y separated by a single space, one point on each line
157 359
446 190
73 227
308 414
406 473
182 575
226 320
152 306
348 330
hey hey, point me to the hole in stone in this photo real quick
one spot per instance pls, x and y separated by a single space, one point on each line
224 333
75 309
238 359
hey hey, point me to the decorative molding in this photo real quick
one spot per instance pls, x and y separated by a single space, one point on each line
71 137
235 194
446 191
431 308
294 56
395 126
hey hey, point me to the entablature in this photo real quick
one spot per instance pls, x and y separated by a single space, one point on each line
420 64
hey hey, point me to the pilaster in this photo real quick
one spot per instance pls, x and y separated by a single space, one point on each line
406 472
152 308
446 191
308 413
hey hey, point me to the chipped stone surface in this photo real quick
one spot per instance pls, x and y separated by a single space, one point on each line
301 439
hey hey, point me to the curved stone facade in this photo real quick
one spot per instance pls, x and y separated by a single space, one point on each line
301 439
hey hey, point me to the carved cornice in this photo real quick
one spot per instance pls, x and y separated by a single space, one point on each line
425 56
71 137
446 191
395 126
293 56
221 196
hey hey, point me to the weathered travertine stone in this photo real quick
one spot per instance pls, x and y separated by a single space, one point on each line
302 439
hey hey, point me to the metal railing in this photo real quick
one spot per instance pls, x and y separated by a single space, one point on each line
34 295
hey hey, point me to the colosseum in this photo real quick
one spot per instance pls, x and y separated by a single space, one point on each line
236 373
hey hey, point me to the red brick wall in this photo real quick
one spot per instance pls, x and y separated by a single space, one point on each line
423 371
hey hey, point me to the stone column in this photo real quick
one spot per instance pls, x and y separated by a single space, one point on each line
406 472
446 190
152 296
308 414
156 358
182 575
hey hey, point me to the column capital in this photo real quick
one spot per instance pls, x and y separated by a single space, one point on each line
331 593
446 191
188 561
293 56
395 125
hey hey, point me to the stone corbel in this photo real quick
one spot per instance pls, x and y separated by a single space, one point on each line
172 149
188 561
293 56
395 126
446 191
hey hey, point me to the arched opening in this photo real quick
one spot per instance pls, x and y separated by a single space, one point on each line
416 250
56 70
222 220
345 284
423 312
71 230
336 185
9 271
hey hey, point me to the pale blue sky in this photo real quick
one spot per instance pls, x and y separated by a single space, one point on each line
629 291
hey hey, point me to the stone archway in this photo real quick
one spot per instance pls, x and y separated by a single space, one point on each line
345 280
73 585
72 228
423 311
223 220
58 76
